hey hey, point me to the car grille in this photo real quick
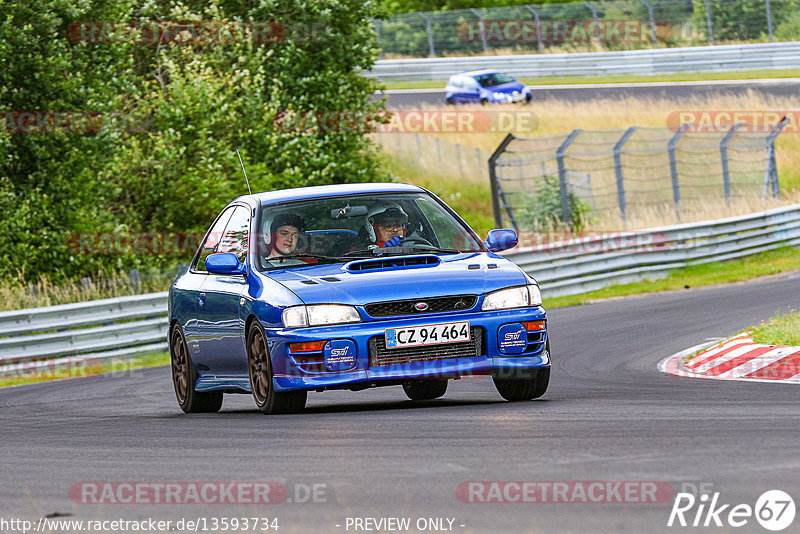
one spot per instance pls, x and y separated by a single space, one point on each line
379 355
435 305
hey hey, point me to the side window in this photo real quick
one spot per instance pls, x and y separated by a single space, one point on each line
235 237
212 239
470 83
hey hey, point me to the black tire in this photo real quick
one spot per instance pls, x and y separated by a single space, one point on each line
528 98
259 366
184 378
484 101
449 102
530 386
421 390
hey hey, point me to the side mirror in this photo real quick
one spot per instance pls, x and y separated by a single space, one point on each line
497 240
225 263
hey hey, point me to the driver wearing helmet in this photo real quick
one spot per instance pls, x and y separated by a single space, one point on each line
385 225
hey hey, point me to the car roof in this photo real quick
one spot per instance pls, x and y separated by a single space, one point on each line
299 193
474 73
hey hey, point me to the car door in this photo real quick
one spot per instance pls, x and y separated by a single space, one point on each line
222 345
472 91
190 300
461 95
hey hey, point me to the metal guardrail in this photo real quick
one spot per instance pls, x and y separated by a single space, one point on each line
37 338
581 265
727 58
40 338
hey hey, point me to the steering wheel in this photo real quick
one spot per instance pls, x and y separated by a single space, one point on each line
416 240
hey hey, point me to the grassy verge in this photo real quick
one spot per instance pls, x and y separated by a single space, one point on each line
782 329
569 80
17 294
92 371
773 262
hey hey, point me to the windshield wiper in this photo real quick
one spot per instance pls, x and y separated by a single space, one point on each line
430 248
363 252
322 257
407 250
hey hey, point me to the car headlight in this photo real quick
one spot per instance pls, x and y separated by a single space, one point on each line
499 96
319 314
513 297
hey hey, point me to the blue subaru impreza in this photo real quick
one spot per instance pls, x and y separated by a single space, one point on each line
351 287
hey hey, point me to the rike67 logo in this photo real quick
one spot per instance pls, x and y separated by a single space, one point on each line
774 510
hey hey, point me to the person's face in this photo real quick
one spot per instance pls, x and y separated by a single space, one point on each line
286 239
389 229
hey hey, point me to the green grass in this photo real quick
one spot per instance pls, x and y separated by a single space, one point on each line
91 371
782 329
773 262
563 80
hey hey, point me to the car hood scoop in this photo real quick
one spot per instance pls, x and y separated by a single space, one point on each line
398 262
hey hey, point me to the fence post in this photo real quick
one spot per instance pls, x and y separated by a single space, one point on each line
539 44
723 152
135 278
652 20
618 168
377 23
429 31
594 20
673 167
498 216
771 175
566 209
769 21
482 26
708 22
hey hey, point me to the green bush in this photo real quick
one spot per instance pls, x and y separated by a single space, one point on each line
173 113
541 210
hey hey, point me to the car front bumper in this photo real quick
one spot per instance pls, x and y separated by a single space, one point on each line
488 356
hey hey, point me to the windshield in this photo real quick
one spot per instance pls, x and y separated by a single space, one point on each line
344 228
497 78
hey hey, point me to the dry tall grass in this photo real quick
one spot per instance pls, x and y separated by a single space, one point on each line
425 165
19 295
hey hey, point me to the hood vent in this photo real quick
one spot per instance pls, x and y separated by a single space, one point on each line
331 279
388 264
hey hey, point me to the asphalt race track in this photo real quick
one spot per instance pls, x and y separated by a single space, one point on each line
784 88
609 415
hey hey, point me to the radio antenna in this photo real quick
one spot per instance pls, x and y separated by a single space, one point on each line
249 191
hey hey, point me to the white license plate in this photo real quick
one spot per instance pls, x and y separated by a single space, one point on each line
429 334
